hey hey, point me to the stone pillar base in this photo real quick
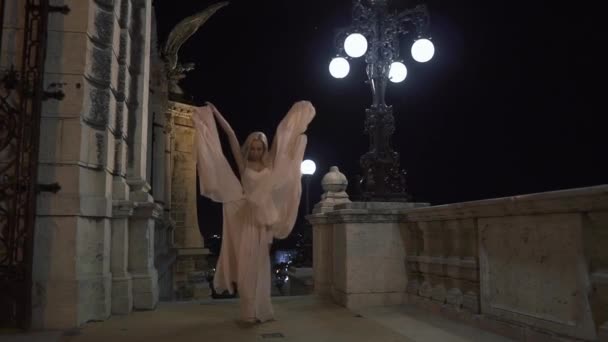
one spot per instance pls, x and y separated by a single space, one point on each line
73 302
145 290
122 295
62 297
141 252
189 277
368 253
360 253
95 298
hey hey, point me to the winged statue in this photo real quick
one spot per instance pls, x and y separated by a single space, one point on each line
178 36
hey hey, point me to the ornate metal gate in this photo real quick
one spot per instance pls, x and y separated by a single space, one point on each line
21 96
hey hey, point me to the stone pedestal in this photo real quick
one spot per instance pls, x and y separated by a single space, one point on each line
190 276
71 279
334 185
367 253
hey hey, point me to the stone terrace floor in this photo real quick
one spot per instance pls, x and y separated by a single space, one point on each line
303 318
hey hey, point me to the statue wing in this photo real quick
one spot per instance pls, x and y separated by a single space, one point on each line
185 29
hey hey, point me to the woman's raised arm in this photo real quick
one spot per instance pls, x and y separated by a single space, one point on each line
232 139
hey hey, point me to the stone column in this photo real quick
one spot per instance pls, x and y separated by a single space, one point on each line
169 147
183 182
191 255
141 235
139 95
158 171
159 175
122 284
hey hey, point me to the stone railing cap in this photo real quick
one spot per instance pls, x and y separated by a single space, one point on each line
562 201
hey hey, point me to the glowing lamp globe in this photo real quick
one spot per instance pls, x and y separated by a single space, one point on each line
308 167
397 73
355 45
423 50
339 67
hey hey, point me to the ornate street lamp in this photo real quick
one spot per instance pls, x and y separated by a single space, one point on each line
374 33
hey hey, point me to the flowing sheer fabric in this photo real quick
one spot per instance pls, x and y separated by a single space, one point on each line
261 206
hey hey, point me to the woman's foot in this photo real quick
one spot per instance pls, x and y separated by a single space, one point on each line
267 320
246 323
250 322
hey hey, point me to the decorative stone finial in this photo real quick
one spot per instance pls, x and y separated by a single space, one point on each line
334 185
334 180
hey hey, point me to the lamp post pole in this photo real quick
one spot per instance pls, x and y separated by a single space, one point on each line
307 180
308 168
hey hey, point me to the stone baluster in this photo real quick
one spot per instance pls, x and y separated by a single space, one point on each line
414 248
440 247
596 240
469 270
424 263
454 282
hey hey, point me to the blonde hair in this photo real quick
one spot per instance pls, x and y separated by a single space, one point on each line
247 145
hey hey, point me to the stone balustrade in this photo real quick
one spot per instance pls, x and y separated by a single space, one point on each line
531 267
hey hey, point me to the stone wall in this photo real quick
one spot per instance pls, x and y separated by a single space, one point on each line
529 267
95 240
108 241
73 233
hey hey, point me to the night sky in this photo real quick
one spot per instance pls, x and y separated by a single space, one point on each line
507 106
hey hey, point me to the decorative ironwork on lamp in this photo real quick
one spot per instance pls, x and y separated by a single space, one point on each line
374 34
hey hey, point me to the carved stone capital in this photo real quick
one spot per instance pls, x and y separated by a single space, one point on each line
122 209
147 210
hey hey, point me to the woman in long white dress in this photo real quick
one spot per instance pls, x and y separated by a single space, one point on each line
259 207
